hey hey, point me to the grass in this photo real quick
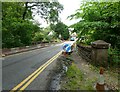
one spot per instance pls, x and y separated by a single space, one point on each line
74 80
111 75
109 70
94 68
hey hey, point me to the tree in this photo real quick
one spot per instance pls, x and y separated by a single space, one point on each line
38 36
46 10
61 29
17 29
99 20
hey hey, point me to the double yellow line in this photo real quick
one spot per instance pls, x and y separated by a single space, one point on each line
26 82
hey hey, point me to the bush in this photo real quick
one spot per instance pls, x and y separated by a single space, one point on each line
113 56
38 36
18 34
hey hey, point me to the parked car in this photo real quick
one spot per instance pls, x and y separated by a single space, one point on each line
72 39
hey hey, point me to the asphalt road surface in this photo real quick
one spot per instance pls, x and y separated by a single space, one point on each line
17 67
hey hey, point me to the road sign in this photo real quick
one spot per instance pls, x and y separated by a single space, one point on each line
67 47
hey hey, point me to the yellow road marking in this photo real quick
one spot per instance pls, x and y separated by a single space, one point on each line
39 70
33 78
31 75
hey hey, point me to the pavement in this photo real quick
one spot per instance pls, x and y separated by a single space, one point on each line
6 52
17 67
91 73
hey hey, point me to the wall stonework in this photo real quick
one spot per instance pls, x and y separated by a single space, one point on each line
85 52
100 52
97 52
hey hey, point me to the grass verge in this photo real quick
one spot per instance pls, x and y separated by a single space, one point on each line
76 80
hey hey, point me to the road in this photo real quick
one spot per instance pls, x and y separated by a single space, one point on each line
17 67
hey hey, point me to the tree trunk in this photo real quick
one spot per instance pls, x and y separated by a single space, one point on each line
25 11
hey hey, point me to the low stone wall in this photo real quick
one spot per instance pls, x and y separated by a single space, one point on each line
85 51
97 52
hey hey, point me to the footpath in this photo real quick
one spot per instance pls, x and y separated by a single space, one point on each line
82 75
6 52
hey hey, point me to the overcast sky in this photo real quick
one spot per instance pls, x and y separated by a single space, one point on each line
70 6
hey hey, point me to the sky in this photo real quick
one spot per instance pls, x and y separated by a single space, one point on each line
70 6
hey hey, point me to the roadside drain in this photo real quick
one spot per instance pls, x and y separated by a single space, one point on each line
62 67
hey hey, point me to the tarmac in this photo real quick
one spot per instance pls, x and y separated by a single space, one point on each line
6 52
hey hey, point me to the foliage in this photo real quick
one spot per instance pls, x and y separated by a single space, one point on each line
49 35
114 56
61 29
99 21
47 10
38 36
17 29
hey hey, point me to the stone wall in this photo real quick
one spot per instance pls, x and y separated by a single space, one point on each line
97 52
85 51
